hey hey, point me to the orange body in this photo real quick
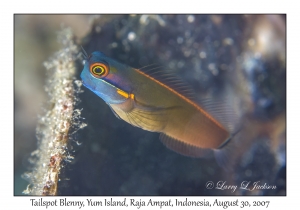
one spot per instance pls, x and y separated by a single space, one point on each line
154 104
157 107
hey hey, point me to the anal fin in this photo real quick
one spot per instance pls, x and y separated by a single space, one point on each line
183 148
225 156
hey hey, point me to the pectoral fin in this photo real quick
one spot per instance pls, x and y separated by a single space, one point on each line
140 115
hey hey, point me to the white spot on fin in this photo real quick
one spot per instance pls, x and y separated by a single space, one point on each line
183 148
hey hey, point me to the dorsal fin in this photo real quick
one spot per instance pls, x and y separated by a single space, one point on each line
168 78
222 109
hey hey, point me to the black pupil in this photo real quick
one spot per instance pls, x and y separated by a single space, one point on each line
98 70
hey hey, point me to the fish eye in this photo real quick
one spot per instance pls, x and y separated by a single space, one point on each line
99 70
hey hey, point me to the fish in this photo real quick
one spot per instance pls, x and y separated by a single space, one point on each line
158 103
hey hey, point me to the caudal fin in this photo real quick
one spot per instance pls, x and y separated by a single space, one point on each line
225 155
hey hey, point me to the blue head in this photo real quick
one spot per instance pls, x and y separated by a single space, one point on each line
105 77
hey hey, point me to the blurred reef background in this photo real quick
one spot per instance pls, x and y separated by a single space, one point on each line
241 55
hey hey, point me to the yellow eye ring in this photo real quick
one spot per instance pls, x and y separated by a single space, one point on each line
99 70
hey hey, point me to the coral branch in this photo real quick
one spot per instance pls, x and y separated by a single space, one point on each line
53 129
